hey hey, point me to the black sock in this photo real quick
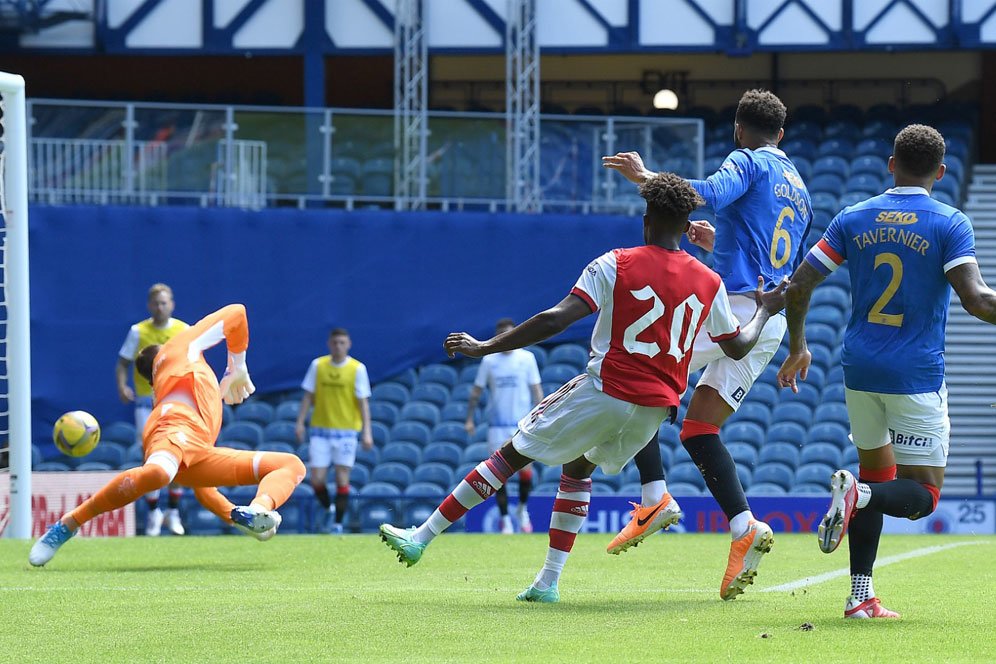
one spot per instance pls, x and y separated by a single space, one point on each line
174 499
719 471
525 488
322 494
649 463
863 533
501 497
901 498
341 506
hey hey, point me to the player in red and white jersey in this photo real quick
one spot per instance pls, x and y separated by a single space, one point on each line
651 302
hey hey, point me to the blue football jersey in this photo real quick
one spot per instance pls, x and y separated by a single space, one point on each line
763 213
898 246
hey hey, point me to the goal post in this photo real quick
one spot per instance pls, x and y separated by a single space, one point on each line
15 346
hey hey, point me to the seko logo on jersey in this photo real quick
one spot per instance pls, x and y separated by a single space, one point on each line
911 441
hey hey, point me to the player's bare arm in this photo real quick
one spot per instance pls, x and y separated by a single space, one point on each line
804 280
976 297
121 368
540 327
366 437
630 166
475 396
769 303
702 234
302 414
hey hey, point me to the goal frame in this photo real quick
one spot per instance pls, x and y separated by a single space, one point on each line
15 211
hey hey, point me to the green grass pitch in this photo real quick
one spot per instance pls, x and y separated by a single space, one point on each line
325 598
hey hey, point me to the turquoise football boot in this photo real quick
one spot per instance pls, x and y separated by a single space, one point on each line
400 540
533 594
46 546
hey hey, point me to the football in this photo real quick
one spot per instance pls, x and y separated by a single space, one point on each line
76 433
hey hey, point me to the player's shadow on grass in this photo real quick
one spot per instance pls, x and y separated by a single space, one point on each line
167 566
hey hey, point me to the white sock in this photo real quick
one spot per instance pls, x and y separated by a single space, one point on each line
434 525
258 507
740 523
554 565
864 495
652 492
861 587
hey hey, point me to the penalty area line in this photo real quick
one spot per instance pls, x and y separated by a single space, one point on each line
881 562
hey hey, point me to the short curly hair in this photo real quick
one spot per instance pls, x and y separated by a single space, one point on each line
669 196
918 150
761 111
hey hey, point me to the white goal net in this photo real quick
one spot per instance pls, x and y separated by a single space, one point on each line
15 350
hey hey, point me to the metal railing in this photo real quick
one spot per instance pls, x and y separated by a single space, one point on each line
205 155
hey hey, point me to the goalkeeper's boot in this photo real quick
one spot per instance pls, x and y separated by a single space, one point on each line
870 608
843 497
46 546
400 540
533 594
256 521
646 521
745 556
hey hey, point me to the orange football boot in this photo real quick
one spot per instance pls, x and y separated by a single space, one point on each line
646 521
745 556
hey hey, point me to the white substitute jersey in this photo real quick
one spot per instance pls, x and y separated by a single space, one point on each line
508 377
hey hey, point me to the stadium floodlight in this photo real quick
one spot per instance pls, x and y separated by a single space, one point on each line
15 347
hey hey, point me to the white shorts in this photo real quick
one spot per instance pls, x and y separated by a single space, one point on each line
916 425
734 378
328 447
498 436
579 420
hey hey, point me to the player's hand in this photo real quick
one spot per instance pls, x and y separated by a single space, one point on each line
299 431
367 440
630 166
795 364
702 234
461 342
469 426
236 386
773 300
126 394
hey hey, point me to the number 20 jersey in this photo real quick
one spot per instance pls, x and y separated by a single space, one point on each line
763 213
651 303
899 246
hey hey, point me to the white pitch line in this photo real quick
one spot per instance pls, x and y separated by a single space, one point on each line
881 562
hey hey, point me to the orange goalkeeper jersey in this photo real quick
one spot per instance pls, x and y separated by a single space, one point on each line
180 364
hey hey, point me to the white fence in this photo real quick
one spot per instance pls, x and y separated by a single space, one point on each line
243 184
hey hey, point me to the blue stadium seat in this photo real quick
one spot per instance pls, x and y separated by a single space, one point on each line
431 393
227 414
549 388
441 374
808 394
829 183
421 507
814 473
831 165
764 394
36 455
277 446
830 296
670 435
775 473
826 315
384 412
480 434
51 466
558 373
821 356
842 129
752 412
236 445
833 393
570 354
818 333
804 166
784 453
540 354
303 452
475 453
280 431
600 477
259 412
469 373
829 432
744 475
391 392
847 113
849 457
854 197
766 489
420 411
633 489
817 376
835 376
381 434
455 411
287 410
942 197
94 466
450 432
796 147
245 432
413 431
438 473
421 489
408 454
793 412
198 520
684 489
821 453
462 393
810 489
870 164
832 412
874 147
744 432
786 432
550 474
119 432
950 185
445 453
111 453
135 453
743 453
686 473
359 476
667 458
408 378
826 201
394 473
369 458
380 504
602 489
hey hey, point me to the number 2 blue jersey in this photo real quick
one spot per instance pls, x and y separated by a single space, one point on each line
899 246
763 213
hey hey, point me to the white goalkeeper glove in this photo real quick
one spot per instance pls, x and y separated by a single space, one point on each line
236 386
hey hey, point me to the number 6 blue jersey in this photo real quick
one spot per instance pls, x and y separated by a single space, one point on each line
763 214
899 246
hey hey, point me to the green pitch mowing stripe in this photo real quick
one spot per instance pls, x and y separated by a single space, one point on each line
327 598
